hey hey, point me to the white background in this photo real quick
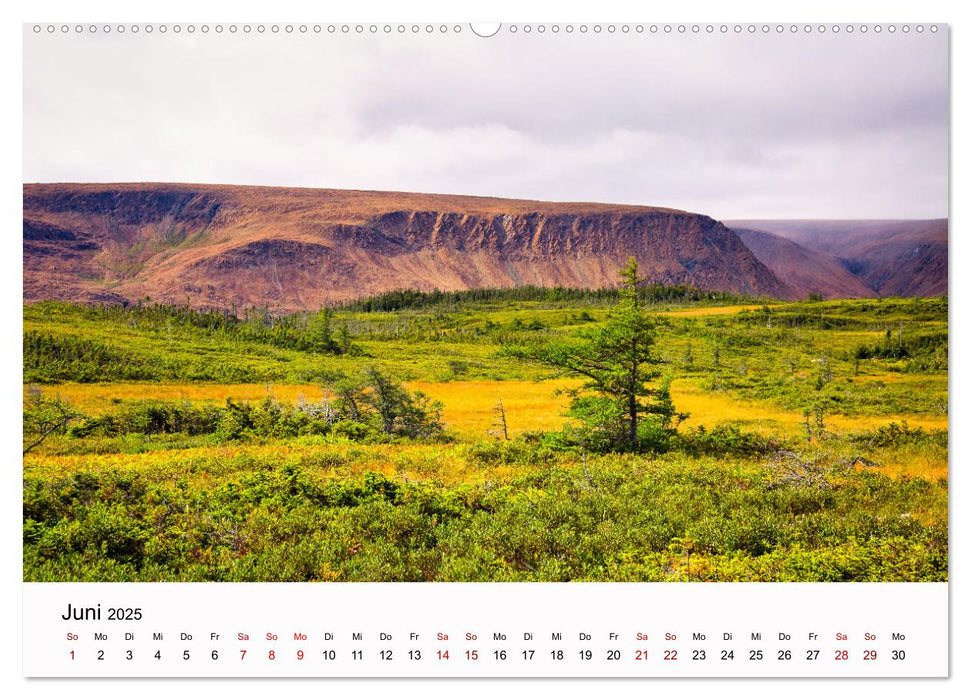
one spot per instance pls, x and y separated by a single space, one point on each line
611 614
923 11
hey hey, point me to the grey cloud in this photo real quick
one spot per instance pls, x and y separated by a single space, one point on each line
734 126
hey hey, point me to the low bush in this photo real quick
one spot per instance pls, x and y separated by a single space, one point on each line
616 518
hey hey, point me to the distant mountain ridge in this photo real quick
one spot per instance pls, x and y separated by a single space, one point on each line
892 258
803 269
291 249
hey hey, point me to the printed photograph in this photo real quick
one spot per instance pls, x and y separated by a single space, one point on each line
406 303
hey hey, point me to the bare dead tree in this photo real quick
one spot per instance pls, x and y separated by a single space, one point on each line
47 416
501 425
586 472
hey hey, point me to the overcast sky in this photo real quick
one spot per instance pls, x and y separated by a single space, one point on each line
734 126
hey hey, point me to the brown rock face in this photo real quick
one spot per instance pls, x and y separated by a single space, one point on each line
804 270
294 249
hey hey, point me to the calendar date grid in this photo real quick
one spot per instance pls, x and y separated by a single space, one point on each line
472 648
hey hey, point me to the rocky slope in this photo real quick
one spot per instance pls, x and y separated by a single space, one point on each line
803 269
892 258
293 249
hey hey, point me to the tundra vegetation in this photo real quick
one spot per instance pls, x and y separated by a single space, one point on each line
645 433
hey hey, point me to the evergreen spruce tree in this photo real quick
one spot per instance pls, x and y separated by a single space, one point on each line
622 404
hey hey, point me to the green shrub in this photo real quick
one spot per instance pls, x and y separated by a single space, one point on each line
898 434
615 518
727 440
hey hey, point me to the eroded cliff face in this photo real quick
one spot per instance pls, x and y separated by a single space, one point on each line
293 249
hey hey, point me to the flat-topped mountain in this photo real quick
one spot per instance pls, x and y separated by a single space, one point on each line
291 249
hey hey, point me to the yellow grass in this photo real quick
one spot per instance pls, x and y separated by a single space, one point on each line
470 408
710 408
210 466
714 310
904 464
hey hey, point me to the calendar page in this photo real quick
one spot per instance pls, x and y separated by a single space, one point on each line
450 350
